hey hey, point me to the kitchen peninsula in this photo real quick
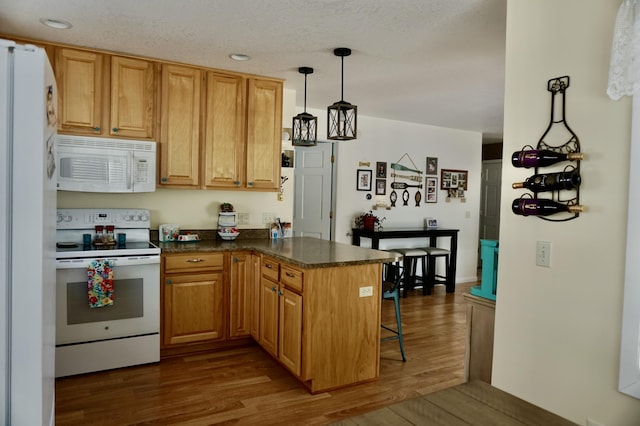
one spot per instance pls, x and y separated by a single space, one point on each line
314 305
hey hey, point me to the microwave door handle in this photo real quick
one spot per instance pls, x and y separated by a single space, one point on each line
130 166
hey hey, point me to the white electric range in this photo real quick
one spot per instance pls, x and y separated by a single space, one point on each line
128 331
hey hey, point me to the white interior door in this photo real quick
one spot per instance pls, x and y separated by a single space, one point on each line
313 189
490 199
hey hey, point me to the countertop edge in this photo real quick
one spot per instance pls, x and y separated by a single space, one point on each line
284 250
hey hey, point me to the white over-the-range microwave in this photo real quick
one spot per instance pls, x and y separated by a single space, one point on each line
91 164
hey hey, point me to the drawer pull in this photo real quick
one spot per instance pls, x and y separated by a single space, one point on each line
268 265
273 289
290 275
195 260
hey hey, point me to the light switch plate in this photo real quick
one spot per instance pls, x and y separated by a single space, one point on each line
543 254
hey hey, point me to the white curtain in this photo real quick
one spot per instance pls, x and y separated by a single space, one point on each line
624 70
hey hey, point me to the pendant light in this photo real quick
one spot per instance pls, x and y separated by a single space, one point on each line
342 117
305 125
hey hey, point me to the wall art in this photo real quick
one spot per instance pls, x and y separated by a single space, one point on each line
431 190
363 182
381 186
453 179
432 166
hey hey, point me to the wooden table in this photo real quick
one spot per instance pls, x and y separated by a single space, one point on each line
472 403
432 234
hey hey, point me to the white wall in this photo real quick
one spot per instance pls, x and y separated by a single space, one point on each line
198 209
557 332
388 140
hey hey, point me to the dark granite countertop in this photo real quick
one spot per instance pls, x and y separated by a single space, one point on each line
304 252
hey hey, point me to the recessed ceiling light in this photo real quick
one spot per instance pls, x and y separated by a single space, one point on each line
239 57
56 23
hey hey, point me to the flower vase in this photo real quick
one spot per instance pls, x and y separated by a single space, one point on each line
369 223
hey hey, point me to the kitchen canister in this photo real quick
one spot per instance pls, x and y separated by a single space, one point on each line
169 232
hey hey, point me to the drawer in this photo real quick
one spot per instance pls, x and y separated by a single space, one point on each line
291 278
193 262
270 269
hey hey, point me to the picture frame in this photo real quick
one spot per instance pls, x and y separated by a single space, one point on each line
432 223
363 179
453 179
431 190
381 186
432 166
381 169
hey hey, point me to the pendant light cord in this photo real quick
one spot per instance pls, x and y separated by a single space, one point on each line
305 93
342 79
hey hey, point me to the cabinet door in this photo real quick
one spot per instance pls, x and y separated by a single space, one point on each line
132 98
224 131
264 134
255 297
193 308
269 316
180 126
290 344
79 80
240 298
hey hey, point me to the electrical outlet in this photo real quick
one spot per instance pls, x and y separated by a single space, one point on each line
268 217
543 254
243 218
366 291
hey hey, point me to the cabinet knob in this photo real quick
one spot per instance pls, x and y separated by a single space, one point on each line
96 129
268 266
235 260
169 282
195 260
250 184
280 293
290 275
237 183
115 130
164 179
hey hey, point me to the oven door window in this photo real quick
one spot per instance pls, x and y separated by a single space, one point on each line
128 302
135 310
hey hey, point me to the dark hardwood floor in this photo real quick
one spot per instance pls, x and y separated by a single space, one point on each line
246 387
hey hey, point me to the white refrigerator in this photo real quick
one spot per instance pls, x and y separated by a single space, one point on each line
28 107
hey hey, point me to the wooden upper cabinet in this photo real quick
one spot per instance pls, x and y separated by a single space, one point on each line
132 98
102 100
180 126
79 79
224 131
264 134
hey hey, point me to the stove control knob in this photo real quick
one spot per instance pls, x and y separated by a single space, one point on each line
128 218
59 218
144 217
67 218
135 218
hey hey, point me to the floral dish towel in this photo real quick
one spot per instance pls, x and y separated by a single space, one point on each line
100 283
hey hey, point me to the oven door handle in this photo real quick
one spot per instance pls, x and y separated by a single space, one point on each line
117 261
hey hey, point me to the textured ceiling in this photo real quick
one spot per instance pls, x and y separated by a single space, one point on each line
438 62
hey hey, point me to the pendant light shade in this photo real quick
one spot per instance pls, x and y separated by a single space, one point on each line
342 117
305 125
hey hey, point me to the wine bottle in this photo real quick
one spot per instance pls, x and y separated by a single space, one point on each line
551 181
542 158
541 207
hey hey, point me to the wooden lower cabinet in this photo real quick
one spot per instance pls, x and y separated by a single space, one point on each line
193 293
314 321
241 271
316 324
479 349
280 318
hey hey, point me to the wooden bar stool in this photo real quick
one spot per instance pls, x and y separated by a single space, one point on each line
391 281
410 259
433 253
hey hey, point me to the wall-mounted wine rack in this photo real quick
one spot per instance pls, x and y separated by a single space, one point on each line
563 187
